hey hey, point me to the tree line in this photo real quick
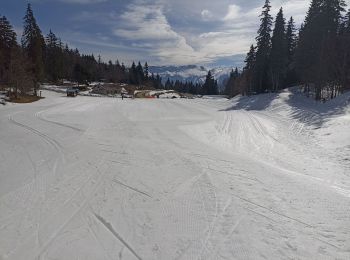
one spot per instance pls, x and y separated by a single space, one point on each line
37 59
316 56
209 87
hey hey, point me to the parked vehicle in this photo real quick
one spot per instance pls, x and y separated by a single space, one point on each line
72 92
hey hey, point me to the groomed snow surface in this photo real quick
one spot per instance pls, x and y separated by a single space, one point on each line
265 177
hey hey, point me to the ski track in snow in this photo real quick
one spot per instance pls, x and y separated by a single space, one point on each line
39 115
90 178
111 229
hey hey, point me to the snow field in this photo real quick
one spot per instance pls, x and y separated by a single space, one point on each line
264 177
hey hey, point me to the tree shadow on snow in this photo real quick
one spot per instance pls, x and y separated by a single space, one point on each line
257 102
316 113
301 108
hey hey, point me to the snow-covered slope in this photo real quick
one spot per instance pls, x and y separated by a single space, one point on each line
191 73
289 131
263 177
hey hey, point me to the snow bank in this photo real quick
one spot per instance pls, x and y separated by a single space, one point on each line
160 93
55 88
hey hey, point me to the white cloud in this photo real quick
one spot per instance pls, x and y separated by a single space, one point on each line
183 31
206 15
295 8
147 23
233 13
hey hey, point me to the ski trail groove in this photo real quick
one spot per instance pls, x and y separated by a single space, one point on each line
57 146
39 116
82 205
274 212
98 241
207 183
116 235
132 188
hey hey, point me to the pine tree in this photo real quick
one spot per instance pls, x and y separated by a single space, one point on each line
314 57
7 44
7 34
278 58
168 85
80 74
132 74
291 39
345 64
51 40
332 20
249 69
146 70
250 59
309 45
33 44
231 86
332 15
53 57
210 86
139 74
341 62
158 82
313 12
261 80
20 77
99 70
229 83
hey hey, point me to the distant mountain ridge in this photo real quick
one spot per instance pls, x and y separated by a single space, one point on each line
191 73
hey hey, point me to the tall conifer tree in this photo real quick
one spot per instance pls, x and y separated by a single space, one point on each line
7 45
53 57
291 42
278 58
33 44
291 39
248 70
261 80
314 57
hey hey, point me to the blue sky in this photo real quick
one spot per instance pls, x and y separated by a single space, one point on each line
162 32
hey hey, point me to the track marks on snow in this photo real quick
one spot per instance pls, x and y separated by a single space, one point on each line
132 188
76 204
51 141
274 212
40 117
110 228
